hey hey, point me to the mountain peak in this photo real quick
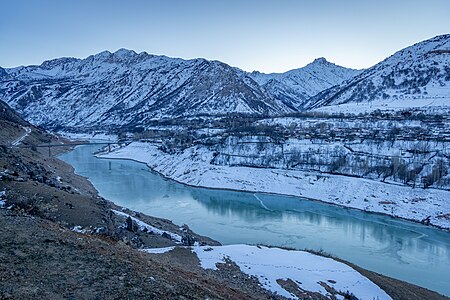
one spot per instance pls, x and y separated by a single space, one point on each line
123 53
102 55
320 63
49 64
320 60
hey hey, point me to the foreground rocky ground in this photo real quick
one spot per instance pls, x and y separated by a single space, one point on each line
60 240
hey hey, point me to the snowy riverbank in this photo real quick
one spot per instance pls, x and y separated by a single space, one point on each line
289 273
192 167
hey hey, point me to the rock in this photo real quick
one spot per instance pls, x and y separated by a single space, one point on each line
426 221
166 235
100 230
131 225
188 240
136 242
69 205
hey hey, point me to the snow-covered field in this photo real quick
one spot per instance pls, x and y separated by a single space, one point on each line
307 271
192 167
430 105
89 136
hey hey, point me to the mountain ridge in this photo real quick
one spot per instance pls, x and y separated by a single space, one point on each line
298 85
420 71
128 88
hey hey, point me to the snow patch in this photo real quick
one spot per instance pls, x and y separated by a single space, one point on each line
89 136
158 250
22 137
306 269
2 202
80 229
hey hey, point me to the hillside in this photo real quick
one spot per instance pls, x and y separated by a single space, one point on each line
60 240
415 77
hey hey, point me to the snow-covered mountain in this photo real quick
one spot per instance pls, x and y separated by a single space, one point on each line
297 86
127 88
417 76
124 88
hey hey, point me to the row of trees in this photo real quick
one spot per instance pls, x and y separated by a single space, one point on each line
413 171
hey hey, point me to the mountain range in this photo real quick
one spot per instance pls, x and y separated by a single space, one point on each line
126 88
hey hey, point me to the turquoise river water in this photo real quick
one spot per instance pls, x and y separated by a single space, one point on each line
396 248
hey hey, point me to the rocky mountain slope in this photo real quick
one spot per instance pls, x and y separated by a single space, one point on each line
126 88
297 86
418 76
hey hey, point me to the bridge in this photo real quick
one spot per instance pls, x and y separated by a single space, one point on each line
71 144
17 143
65 145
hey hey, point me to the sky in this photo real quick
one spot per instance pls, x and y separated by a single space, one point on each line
263 35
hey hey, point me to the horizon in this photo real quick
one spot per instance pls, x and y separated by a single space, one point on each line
174 57
252 35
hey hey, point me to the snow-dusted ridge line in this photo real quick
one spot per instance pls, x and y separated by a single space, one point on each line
125 88
192 167
416 76
142 226
308 271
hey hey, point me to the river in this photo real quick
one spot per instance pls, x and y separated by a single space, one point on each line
404 250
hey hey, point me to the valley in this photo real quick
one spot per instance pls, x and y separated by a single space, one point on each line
355 154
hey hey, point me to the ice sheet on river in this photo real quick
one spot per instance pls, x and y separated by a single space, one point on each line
192 167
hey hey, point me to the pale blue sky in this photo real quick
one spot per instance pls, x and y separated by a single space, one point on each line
264 35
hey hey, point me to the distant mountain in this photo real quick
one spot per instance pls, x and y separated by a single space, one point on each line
126 88
416 76
297 86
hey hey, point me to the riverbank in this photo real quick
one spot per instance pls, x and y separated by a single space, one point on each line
59 239
192 167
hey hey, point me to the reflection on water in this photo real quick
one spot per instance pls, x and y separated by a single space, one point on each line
397 248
